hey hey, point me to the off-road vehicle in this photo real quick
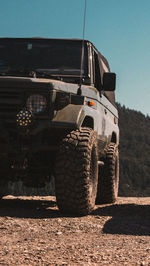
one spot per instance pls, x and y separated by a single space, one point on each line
58 117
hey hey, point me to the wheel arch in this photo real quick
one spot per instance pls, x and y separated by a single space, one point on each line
114 137
88 122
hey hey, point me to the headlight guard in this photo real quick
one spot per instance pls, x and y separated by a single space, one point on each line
36 103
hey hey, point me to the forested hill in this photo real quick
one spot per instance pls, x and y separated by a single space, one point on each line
134 153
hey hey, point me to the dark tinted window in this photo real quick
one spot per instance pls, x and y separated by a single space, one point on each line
57 56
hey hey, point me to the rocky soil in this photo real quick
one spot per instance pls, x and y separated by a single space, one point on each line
34 232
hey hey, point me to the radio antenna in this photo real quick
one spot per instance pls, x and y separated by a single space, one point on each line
82 51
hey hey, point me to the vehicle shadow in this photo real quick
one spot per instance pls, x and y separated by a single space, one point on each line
127 219
29 208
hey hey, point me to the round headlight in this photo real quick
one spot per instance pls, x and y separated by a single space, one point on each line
36 103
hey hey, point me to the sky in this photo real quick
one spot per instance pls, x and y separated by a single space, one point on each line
120 30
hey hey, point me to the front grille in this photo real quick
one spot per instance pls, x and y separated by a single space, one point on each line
11 102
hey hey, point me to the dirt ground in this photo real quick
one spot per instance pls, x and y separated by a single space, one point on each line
34 232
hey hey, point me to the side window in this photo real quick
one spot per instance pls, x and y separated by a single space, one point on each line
97 72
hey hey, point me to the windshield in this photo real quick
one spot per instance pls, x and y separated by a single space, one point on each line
61 57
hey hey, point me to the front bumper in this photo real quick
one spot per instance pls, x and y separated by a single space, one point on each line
41 135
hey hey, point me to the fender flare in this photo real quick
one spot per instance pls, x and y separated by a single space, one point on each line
72 116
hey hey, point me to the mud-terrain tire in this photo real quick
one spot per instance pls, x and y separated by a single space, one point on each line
76 172
108 176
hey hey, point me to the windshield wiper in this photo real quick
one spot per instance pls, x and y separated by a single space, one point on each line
3 71
14 71
3 74
29 72
46 74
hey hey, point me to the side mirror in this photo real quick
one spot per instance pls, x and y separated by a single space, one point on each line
109 81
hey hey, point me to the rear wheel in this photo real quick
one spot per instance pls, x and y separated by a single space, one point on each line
108 177
76 172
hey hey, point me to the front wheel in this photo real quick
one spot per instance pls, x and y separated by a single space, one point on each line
108 177
76 172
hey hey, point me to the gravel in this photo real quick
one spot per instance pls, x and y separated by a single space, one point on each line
34 232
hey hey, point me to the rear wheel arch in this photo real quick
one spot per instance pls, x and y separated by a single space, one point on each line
114 138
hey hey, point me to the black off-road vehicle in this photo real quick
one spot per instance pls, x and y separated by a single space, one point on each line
58 117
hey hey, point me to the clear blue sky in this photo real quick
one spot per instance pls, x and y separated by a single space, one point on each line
120 29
